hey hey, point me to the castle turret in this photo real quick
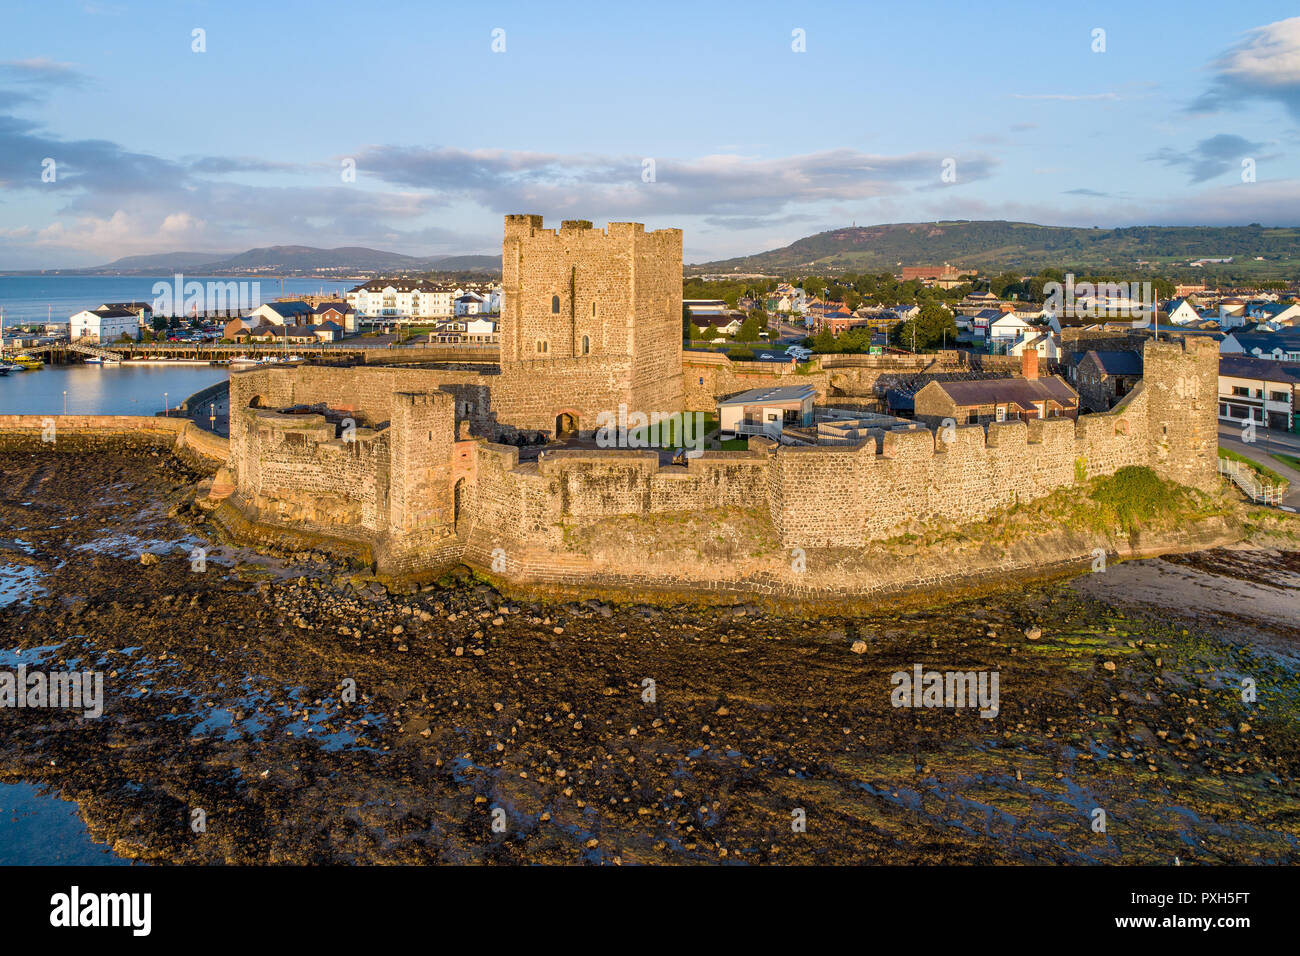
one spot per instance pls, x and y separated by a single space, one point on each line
1181 379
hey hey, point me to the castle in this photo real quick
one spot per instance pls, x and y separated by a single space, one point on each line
424 467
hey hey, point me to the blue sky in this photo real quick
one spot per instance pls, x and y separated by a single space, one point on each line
160 148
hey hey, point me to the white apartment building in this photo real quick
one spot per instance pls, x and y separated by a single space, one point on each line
402 299
405 300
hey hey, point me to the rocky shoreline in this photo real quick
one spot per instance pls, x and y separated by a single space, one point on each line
488 728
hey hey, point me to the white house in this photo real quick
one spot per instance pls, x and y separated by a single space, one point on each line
104 325
1047 345
1277 313
472 331
141 309
470 303
765 411
1006 330
982 319
480 330
1183 313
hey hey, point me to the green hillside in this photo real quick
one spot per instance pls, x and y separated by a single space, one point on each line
1020 246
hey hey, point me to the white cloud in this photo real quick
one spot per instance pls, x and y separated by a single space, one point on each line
1264 65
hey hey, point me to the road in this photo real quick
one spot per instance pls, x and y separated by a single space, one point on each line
1267 440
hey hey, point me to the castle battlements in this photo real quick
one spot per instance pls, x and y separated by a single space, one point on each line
592 321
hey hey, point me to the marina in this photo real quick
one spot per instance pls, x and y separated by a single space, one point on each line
129 388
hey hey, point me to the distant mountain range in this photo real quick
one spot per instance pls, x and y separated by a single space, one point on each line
995 246
984 246
290 261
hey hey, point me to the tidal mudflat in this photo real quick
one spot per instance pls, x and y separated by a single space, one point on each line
312 715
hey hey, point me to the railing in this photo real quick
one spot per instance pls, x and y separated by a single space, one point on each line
85 347
1250 482
449 346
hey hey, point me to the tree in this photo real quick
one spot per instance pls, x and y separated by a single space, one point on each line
814 285
856 340
931 327
750 328
823 341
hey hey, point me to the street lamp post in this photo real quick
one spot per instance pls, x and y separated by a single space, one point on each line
167 409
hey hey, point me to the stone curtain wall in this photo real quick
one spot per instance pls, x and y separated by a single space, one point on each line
366 392
603 484
200 448
620 288
517 503
841 498
383 482
844 496
293 469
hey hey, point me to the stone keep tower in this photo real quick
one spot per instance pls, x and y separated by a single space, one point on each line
591 319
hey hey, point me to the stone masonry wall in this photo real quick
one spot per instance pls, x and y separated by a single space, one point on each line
295 469
618 292
844 496
200 448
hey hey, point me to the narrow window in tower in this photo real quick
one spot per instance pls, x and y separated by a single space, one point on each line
586 345
555 305
542 346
